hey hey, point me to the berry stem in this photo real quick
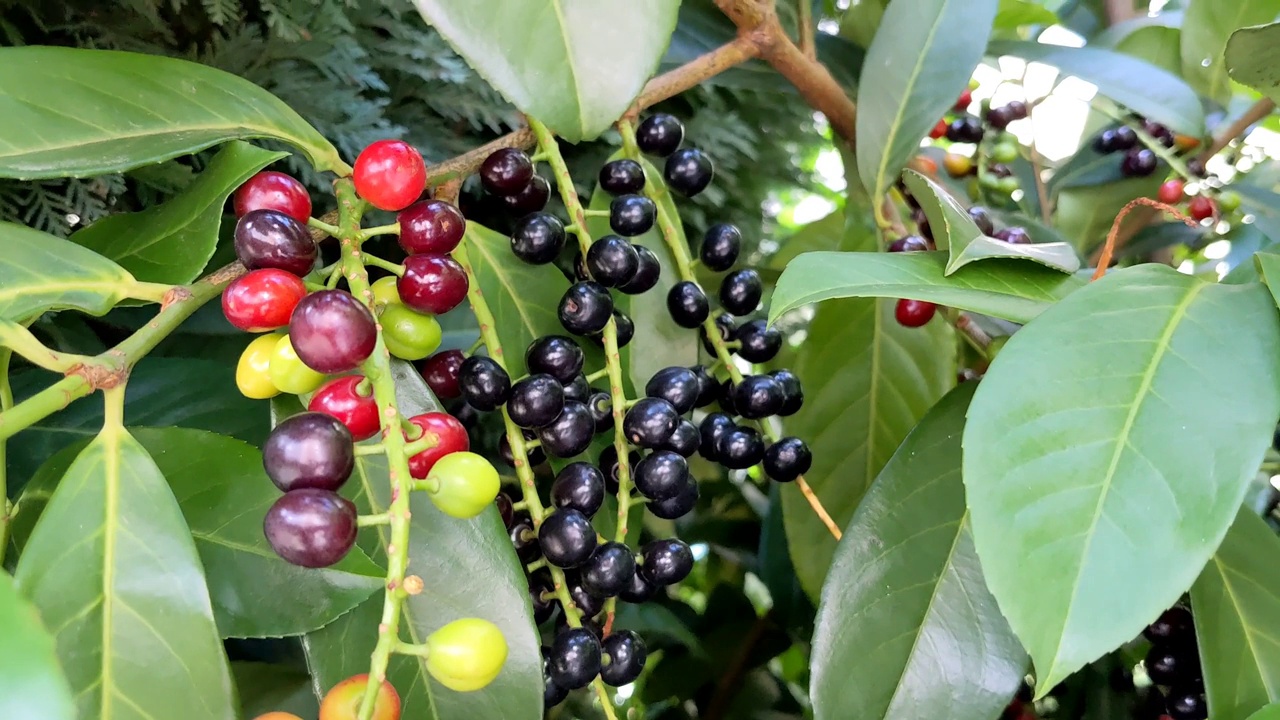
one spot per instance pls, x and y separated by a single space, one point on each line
419 650
392 229
372 520
323 226
17 338
393 268
6 402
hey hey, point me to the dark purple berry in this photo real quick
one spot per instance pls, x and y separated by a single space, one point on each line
270 239
332 332
310 527
659 134
622 177
506 171
309 450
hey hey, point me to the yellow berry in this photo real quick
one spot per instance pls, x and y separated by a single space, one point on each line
466 654
253 370
289 373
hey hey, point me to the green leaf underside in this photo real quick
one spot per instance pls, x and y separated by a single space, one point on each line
1253 58
267 688
905 599
1096 498
915 69
40 272
124 594
965 243
31 681
1270 712
1237 608
1134 83
545 57
171 243
1206 27
73 112
1009 289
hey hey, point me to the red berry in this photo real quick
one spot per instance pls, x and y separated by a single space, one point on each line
341 399
441 373
262 299
914 313
1170 192
451 437
433 284
390 174
1202 207
963 101
270 190
938 130
332 332
433 226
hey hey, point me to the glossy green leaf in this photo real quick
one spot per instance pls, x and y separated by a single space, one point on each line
1268 263
73 112
546 57
1013 14
125 593
40 272
1085 214
1206 27
1009 289
915 69
31 681
1253 58
1157 44
905 609
1134 83
1270 712
267 688
171 243
1101 482
1086 168
965 243
1237 605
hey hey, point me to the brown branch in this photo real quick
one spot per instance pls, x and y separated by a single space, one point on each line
808 44
1260 109
674 82
1042 192
1117 11
1108 248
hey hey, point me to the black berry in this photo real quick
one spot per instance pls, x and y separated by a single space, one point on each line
707 386
310 450
578 389
609 570
570 432
624 328
600 405
625 655
631 215
760 343
574 660
665 562
535 401
538 238
585 308
965 129
724 327
638 590
1138 162
1187 704
982 219
724 396
579 486
506 171
586 601
612 261
792 394
650 422
659 134
1169 666
757 396
687 304
787 459
1173 627
661 475
524 539
740 292
541 596
556 355
608 465
567 538
1013 236
740 448
714 426
910 243
674 508
647 273
622 177
720 247
485 385
532 198
688 171
533 457
677 385
552 694
684 441
270 239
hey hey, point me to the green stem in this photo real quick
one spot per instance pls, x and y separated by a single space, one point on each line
387 265
324 227
20 340
151 292
392 229
6 402
372 520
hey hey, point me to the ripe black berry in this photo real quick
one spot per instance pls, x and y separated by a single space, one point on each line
622 177
659 134
759 341
600 405
524 539
724 396
624 328
674 508
677 385
1157 131
740 292
535 401
982 219
574 660
310 450
589 603
792 394
506 171
707 386
552 694
609 466
687 304
612 261
1138 162
533 456
647 273
650 422
485 385
740 448
538 238
1169 666
571 431
578 389
270 239
579 486
557 356
332 332
638 590
1105 142
1186 703
541 596
585 308
1013 236
631 215
310 527
661 475
757 396
609 570
720 247
684 441
965 129
1173 627
665 562
787 459
505 510
532 198
625 655
714 426
724 327
910 243
567 538
999 117
688 171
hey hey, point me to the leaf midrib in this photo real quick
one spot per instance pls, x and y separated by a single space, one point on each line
1244 627
558 7
111 490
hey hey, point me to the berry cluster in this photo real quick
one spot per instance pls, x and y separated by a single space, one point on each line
994 148
1138 160
1173 664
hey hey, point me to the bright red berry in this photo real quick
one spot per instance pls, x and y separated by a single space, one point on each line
432 284
262 300
1170 192
451 437
433 227
341 398
1202 207
938 130
441 373
270 190
962 102
390 174
914 313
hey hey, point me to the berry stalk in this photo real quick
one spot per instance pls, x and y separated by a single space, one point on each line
6 402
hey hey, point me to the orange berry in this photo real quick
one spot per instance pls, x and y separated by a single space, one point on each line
924 165
342 702
957 165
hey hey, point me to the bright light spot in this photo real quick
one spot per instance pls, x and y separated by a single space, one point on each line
1222 269
830 169
624 693
830 27
1058 35
813 207
1275 481
1217 250
1157 6
1206 62
1187 267
700 550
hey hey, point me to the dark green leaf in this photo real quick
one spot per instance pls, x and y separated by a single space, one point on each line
1087 167
1268 263
1253 58
1095 496
1237 606
1206 27
560 78
72 112
267 688
1270 712
31 682
171 243
40 272
134 626
905 595
1084 214
915 69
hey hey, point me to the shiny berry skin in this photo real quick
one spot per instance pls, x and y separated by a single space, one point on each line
1196 167
914 313
957 165
1105 142
758 396
253 370
1138 162
579 486
1187 704
624 329
571 431
963 101
966 129
982 218
588 603
687 304
1124 138
792 393
665 562
578 389
431 226
609 570
600 405
910 243
533 457
567 538
408 334
535 401
390 174
441 373
647 273
650 422
608 465
574 660
1159 132
688 171
466 655
552 694
262 299
432 284
740 292
332 332
725 328
707 386
270 239
1169 665
271 190
631 215
677 385
309 450
720 247
1202 208
714 426
464 483
1013 236
724 396
684 441
627 655
384 292
557 356
451 437
638 590
341 399
343 700
1170 192
1173 627
485 385
740 448
310 527
612 261
288 373
506 171
622 177
538 238
524 539
659 134
787 459
661 475
939 130
999 117
531 198
585 308
759 341
674 508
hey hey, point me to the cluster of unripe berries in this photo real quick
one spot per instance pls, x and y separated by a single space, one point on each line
1200 207
1000 148
1173 664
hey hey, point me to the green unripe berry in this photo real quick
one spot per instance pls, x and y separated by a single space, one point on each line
462 484
289 373
467 654
1007 185
385 292
1004 152
409 335
988 181
1228 201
